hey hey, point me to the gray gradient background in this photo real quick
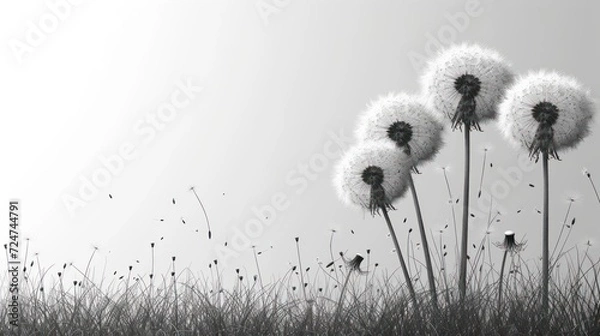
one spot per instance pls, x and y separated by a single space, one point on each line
272 93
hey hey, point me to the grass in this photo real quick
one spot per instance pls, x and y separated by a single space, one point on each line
376 303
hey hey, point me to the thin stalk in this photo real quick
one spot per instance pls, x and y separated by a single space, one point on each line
562 229
341 301
409 285
451 199
500 283
462 285
301 269
428 263
203 211
262 286
331 255
545 235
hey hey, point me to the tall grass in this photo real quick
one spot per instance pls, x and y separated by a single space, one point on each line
376 304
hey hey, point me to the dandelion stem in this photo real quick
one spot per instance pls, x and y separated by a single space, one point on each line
341 301
500 283
545 234
424 242
465 218
409 285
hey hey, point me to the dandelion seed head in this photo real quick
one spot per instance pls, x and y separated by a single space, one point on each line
354 263
510 244
546 112
372 175
402 120
466 78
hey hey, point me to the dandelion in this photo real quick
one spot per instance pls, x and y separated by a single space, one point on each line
545 112
509 245
373 175
352 265
405 122
464 84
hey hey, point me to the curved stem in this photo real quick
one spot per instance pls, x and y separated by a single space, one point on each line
545 235
409 285
462 285
428 263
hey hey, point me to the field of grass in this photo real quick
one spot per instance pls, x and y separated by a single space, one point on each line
375 302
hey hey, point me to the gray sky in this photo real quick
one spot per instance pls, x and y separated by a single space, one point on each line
252 102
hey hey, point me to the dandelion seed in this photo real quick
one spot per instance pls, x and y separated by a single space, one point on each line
589 176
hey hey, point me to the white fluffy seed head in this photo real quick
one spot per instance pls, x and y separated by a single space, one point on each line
381 115
438 80
395 164
574 103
